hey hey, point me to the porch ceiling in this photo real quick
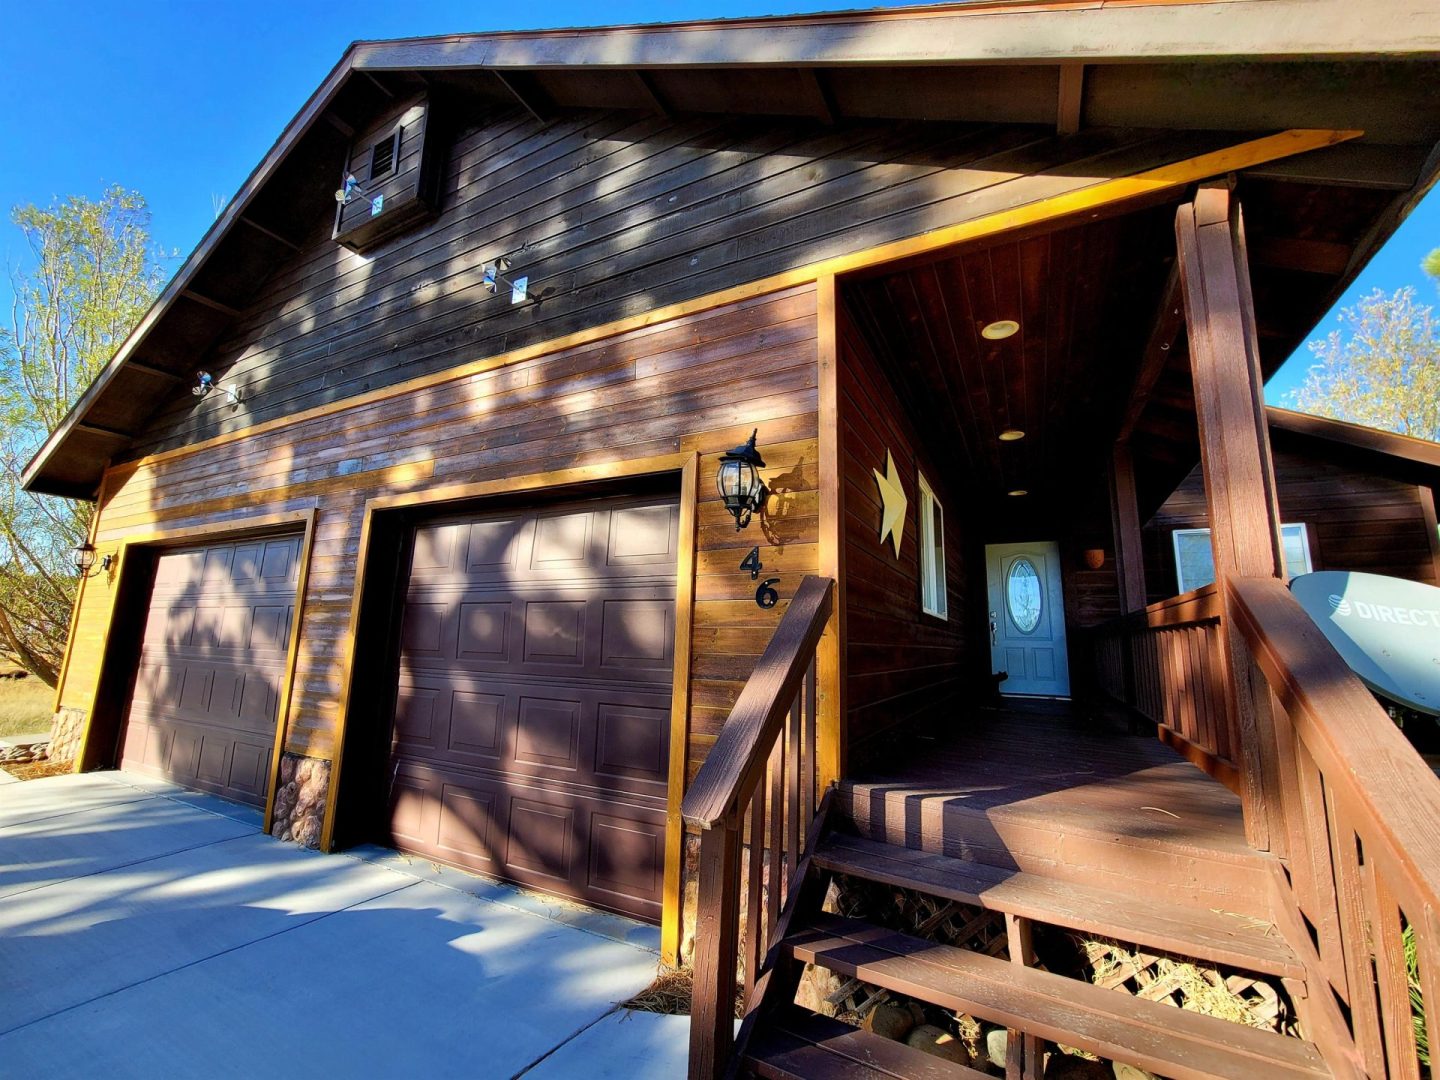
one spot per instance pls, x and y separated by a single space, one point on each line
1086 297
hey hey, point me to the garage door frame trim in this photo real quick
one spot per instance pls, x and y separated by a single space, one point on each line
91 753
687 466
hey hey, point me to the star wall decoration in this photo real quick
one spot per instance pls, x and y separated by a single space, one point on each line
892 502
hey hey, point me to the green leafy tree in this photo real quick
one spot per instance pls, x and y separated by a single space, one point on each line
1431 264
1381 368
90 276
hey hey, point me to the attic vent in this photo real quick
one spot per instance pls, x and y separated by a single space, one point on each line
382 156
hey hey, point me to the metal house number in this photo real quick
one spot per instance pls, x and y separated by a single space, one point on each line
765 594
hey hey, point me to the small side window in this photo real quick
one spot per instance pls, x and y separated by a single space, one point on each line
1195 562
933 597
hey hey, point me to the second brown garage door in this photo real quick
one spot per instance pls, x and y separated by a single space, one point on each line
202 712
532 721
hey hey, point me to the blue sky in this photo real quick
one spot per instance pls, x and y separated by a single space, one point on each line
179 100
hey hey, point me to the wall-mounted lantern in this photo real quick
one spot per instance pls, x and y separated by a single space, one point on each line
738 479
83 555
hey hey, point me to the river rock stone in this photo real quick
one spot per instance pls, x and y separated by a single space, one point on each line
1131 1072
997 1044
890 1020
937 1042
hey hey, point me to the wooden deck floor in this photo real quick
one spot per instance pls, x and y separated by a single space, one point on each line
1033 786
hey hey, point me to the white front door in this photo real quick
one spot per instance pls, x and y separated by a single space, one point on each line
1027 618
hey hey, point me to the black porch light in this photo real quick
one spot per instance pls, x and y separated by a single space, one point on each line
738 479
83 556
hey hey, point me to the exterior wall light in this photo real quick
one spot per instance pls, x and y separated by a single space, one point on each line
738 480
84 557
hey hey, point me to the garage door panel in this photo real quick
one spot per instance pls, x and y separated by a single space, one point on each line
532 721
207 687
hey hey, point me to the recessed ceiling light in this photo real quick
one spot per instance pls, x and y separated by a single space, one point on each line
1019 491
999 331
1011 435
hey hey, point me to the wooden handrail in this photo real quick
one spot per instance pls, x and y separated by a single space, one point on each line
1357 817
733 767
771 730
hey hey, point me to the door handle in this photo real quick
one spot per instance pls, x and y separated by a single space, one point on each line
993 641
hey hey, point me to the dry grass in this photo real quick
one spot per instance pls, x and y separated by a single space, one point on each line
668 994
38 770
25 706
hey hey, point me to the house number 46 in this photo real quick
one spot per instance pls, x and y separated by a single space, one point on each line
765 595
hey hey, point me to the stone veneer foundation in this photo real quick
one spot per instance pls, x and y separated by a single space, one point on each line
300 799
66 728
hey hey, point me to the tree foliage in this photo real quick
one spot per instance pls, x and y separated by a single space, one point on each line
90 276
1381 368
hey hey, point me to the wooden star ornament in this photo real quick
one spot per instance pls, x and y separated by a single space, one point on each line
892 502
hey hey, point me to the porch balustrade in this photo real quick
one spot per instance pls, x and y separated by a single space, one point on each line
1355 818
755 803
1167 663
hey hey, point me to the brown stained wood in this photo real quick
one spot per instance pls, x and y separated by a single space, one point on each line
830 559
800 1045
712 1016
1235 459
1069 107
1165 1040
1385 920
1189 930
732 767
755 934
1024 1054
1125 515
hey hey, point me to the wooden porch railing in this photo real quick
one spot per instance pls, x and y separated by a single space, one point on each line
1355 816
1167 663
769 736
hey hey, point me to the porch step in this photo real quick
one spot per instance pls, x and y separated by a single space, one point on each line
1237 941
1161 1038
1123 842
800 1045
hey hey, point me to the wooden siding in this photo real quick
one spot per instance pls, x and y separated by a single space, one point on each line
1356 519
900 664
610 215
667 388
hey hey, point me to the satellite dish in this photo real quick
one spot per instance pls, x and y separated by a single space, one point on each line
1386 628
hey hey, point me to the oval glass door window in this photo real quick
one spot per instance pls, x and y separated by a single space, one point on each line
1022 595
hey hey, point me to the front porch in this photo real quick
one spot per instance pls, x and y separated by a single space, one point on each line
1072 794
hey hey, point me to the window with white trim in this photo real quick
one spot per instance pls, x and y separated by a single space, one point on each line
1195 561
932 553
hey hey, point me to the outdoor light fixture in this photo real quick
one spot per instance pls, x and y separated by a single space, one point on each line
351 190
1018 492
1011 435
999 331
84 557
205 382
495 276
738 479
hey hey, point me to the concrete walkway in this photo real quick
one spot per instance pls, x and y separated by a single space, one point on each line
147 931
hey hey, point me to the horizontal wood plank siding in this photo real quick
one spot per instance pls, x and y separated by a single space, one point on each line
901 664
667 388
610 215
1356 517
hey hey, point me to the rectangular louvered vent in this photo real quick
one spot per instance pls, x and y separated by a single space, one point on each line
382 156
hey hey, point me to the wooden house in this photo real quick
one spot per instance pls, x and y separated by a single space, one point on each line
433 551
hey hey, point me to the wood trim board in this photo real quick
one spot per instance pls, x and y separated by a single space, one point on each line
830 675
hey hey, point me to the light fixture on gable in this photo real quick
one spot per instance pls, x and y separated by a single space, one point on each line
1011 435
1017 493
1000 330
205 383
495 276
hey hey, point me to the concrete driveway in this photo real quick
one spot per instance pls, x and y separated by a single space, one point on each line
148 931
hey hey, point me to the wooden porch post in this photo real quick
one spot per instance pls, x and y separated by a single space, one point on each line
1125 512
1235 460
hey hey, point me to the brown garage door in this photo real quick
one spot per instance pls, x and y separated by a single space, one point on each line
532 723
203 709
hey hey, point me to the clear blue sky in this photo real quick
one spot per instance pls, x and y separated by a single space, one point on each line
180 100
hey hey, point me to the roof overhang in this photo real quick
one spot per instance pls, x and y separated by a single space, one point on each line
1125 63
1417 460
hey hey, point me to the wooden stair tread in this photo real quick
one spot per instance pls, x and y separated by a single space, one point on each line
1161 1038
1234 940
800 1045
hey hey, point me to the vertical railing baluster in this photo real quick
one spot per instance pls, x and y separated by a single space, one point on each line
756 939
812 748
792 802
1386 927
776 821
